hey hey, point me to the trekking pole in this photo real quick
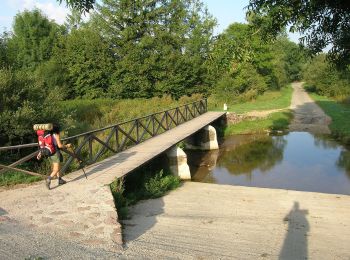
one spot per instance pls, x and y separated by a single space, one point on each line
75 156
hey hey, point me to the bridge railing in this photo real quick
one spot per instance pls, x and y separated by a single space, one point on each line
95 145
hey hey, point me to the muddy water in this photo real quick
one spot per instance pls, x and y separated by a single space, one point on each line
297 161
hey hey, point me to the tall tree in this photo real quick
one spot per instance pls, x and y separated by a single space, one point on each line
149 40
33 39
323 22
87 61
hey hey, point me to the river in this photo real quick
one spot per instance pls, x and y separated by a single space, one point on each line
296 161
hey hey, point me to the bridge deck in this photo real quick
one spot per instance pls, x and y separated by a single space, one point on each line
83 210
124 162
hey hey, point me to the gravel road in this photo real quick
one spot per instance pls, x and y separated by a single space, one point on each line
308 116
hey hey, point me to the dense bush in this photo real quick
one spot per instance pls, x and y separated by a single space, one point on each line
325 80
24 102
242 65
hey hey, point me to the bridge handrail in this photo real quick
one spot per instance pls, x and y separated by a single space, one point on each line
193 108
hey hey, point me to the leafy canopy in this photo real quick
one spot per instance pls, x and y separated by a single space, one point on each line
81 5
34 36
323 22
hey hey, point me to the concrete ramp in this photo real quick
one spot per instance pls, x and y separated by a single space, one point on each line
209 221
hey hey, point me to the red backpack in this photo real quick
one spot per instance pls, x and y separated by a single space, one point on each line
46 144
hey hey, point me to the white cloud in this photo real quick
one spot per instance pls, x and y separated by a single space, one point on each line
50 8
53 11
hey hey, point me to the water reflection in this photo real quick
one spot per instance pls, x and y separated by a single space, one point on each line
298 161
344 161
263 154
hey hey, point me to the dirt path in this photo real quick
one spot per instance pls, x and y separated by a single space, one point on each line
308 116
264 113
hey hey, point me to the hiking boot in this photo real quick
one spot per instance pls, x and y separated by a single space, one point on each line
48 182
61 181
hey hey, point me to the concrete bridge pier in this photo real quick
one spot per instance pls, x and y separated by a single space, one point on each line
178 163
205 139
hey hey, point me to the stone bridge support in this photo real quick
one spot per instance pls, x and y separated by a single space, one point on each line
178 163
205 139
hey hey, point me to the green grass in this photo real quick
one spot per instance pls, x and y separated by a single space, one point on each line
13 178
340 114
269 100
274 122
85 115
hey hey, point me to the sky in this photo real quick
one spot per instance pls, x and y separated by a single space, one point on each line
225 11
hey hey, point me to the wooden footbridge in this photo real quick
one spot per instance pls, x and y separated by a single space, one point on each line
93 146
83 210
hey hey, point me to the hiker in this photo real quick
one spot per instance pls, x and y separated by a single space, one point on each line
57 157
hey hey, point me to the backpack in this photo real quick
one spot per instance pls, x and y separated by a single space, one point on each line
46 144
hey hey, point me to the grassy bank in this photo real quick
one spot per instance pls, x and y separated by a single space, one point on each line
12 178
268 101
148 182
274 122
340 114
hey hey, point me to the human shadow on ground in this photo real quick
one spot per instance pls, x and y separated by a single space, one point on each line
103 165
295 245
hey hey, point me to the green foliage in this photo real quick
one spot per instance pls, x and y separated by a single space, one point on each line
325 80
33 39
245 84
242 66
81 5
159 46
323 22
87 61
4 37
147 185
158 185
23 102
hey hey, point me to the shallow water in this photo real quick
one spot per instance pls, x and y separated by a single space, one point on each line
297 161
